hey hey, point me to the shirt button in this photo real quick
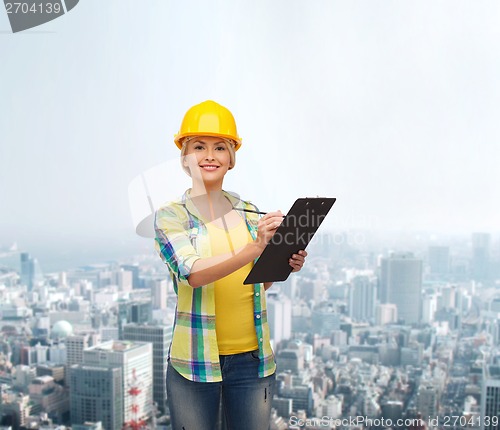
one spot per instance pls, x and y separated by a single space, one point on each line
260 340
257 294
258 317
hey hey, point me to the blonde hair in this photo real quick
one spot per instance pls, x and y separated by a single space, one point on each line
229 144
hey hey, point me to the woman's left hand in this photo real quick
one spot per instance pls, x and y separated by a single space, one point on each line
298 260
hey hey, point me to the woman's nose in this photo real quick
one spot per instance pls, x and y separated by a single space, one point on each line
210 155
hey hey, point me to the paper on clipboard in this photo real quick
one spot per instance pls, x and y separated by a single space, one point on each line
295 232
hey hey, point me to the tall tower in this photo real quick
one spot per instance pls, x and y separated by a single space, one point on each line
362 295
130 357
96 394
160 337
75 344
480 256
139 312
401 284
427 401
27 270
279 313
159 290
134 268
490 396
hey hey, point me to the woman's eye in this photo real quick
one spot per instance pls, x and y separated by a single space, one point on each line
220 148
197 147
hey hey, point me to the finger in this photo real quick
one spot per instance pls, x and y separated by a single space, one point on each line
295 267
296 262
274 223
298 257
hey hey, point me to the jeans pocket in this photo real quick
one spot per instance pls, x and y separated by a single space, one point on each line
254 355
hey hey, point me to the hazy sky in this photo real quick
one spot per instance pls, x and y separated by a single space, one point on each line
392 107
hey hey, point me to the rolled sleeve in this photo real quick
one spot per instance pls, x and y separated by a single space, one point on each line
174 242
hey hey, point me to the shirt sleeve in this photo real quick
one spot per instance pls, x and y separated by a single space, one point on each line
173 244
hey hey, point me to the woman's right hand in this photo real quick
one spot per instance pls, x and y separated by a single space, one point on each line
267 227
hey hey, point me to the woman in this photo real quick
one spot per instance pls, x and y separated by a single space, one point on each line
220 343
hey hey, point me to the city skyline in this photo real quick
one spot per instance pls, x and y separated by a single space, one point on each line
342 353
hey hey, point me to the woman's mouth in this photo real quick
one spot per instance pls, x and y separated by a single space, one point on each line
209 167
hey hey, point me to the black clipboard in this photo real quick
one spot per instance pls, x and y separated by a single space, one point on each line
295 232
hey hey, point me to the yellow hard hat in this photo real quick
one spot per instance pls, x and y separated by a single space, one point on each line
208 119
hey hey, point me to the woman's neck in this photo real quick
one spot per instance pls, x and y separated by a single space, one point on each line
211 204
200 188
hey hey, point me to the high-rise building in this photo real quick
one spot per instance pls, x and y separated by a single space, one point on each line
429 307
160 337
138 312
134 268
490 396
159 290
136 361
480 256
401 284
124 280
75 344
279 316
427 401
96 394
28 270
362 298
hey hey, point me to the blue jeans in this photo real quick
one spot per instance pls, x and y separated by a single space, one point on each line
246 398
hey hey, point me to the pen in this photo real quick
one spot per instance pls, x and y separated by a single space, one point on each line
252 211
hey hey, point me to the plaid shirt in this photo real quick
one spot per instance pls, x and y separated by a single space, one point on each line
182 238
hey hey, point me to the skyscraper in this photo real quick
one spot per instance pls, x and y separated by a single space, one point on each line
401 284
159 290
134 268
160 337
75 344
96 394
362 297
27 270
279 314
139 312
134 359
490 396
427 401
480 256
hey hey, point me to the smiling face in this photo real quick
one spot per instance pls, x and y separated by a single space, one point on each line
208 159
